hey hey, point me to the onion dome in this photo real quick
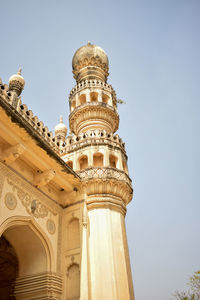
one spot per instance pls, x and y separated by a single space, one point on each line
17 82
90 62
61 130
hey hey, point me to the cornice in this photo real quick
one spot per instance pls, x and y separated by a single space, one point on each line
94 111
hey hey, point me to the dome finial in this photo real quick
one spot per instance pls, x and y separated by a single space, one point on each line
89 43
61 119
19 71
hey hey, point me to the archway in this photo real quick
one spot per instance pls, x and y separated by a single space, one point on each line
30 257
9 266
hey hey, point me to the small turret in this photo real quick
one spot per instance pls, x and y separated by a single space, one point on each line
61 130
16 83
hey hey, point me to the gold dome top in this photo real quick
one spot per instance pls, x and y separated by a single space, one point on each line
17 82
90 62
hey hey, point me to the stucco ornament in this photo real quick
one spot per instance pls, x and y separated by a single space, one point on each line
51 227
10 201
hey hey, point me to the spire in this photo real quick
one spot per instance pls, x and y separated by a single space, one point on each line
19 71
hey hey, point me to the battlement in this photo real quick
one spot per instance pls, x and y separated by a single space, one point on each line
15 103
95 137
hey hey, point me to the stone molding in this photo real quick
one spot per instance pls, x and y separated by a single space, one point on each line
91 84
110 202
42 286
84 115
87 62
107 181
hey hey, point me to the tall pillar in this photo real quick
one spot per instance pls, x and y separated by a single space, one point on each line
105 264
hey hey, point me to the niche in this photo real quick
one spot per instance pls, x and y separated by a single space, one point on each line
113 161
73 105
98 160
83 162
105 98
125 166
73 282
73 240
93 97
82 99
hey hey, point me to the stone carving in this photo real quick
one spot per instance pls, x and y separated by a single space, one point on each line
26 191
84 114
104 173
51 227
43 178
12 153
91 84
10 201
106 180
41 210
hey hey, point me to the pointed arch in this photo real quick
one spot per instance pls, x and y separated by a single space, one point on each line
33 248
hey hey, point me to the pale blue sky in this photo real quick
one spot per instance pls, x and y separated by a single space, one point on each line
153 49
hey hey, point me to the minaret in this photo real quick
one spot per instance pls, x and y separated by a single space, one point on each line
98 155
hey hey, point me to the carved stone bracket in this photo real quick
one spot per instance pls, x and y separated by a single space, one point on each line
43 178
10 154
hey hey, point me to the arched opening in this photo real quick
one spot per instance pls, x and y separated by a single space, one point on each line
82 99
125 166
73 282
83 162
9 266
73 240
113 161
105 98
73 105
98 160
29 249
93 96
70 163
33 252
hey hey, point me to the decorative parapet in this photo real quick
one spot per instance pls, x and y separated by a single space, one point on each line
106 188
95 137
92 84
10 98
105 173
85 116
91 105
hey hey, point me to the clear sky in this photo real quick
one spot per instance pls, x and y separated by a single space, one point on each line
153 48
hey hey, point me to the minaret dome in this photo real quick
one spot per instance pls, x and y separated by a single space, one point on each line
17 82
90 62
61 130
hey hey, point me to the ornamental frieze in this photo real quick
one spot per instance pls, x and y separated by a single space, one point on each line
27 194
32 205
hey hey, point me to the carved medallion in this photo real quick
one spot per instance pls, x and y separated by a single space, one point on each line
10 201
51 227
